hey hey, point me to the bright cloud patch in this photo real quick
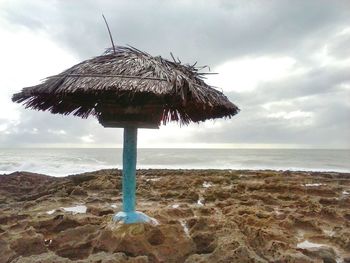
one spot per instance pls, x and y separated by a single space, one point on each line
26 58
57 132
3 127
291 115
245 74
87 138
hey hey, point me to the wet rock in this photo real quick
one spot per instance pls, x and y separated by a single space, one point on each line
247 216
206 211
327 254
28 243
45 257
196 258
6 252
12 218
155 237
295 257
78 191
163 243
75 243
198 225
190 195
106 240
99 211
177 212
205 242
103 257
100 183
241 254
171 194
56 224
262 214
80 178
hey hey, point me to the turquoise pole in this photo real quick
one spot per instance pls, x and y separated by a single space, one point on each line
129 169
129 215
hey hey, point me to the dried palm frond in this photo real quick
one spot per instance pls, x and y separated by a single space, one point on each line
129 85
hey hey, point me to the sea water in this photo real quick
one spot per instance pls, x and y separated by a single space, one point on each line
64 161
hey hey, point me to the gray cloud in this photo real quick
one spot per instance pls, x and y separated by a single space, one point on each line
41 128
340 47
210 32
317 81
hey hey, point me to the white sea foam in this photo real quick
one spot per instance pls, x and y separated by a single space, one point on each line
78 209
185 227
312 185
153 179
154 221
307 244
277 211
200 202
61 162
311 245
207 184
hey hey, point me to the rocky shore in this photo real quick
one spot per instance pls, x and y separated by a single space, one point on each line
202 215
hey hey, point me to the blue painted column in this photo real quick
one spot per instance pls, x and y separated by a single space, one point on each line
129 169
129 215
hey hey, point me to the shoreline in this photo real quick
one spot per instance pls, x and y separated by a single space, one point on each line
61 162
215 215
140 169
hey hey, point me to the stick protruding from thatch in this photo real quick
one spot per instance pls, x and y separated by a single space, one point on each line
109 32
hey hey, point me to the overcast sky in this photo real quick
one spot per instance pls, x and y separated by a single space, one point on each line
286 64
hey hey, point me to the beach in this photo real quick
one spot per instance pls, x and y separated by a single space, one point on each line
200 216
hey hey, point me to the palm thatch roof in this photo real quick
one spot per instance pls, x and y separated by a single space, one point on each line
127 85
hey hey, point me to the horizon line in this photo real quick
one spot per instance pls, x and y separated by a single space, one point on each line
208 148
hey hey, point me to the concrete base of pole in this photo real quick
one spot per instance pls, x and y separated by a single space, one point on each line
133 217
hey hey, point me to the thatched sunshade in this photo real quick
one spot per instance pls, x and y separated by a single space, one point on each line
128 88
